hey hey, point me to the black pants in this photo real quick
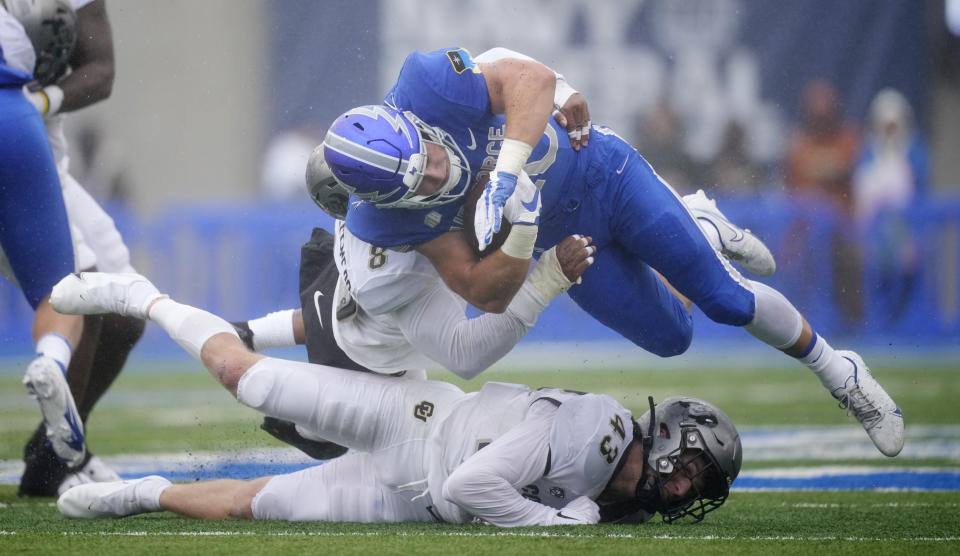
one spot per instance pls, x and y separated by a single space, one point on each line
318 281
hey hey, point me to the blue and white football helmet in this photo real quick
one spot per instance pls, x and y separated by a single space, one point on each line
379 155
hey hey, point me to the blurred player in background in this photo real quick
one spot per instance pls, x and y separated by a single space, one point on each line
34 232
423 450
447 117
107 339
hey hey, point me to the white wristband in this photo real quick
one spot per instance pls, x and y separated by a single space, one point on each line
563 92
275 330
513 155
54 97
520 241
547 276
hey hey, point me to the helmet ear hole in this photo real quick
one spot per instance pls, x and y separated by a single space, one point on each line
358 126
664 431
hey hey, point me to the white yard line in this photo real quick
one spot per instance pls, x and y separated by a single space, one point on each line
496 533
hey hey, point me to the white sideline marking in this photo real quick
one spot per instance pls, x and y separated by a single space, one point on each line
502 533
828 470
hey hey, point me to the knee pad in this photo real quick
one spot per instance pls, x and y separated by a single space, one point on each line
255 385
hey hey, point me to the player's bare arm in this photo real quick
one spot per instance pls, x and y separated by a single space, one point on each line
488 284
92 62
522 90
571 109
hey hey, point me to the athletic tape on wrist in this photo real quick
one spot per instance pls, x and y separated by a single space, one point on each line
547 276
513 155
520 241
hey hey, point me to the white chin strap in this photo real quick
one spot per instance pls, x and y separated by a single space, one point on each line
455 171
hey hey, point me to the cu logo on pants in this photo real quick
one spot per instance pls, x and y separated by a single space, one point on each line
423 410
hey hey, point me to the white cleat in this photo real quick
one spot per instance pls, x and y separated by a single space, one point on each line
113 499
736 243
94 293
865 399
95 471
46 383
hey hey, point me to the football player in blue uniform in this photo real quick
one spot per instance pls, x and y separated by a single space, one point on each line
450 119
99 355
34 232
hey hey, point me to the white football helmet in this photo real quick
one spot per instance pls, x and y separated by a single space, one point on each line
324 188
51 26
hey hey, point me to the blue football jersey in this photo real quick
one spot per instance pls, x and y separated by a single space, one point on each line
446 89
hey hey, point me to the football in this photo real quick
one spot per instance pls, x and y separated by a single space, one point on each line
469 208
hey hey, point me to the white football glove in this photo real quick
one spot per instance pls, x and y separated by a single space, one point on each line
37 99
523 207
47 100
486 219
580 511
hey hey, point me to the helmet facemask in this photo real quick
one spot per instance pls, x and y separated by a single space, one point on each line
685 441
417 166
707 490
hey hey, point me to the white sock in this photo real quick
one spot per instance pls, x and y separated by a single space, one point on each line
188 326
776 322
274 330
56 347
830 368
148 493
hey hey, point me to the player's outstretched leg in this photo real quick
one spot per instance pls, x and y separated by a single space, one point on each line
46 382
93 293
113 499
733 242
777 322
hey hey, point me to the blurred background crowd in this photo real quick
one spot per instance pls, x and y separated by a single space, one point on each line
831 129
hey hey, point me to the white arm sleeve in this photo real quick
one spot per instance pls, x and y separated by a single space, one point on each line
437 326
487 484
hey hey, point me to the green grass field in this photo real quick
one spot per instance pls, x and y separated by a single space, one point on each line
184 411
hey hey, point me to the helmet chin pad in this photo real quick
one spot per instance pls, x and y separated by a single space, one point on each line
415 169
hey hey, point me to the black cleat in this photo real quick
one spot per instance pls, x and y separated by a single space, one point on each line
43 471
286 431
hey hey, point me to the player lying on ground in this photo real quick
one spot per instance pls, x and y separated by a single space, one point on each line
423 450
407 164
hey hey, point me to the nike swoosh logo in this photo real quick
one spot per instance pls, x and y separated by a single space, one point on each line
76 437
624 165
473 141
531 205
316 305
560 514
